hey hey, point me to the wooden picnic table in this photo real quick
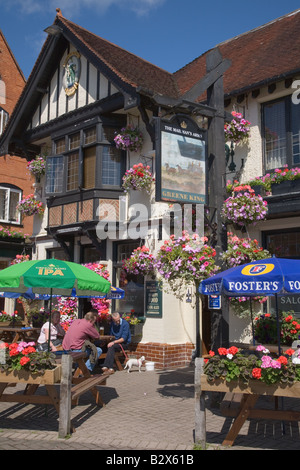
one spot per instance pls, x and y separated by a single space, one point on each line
62 388
13 334
240 401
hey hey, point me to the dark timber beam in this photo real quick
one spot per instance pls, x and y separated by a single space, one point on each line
216 182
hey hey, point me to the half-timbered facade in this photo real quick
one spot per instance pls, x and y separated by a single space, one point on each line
83 89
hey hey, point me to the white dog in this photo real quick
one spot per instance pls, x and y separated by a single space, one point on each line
134 362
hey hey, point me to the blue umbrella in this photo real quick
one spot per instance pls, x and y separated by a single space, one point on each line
271 276
262 277
115 293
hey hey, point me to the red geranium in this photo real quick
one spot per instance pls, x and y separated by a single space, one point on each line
28 350
283 360
222 351
233 350
256 373
24 360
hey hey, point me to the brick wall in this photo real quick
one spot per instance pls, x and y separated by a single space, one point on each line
164 355
11 75
13 171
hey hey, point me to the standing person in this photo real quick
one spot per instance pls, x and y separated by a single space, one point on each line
120 329
81 331
56 333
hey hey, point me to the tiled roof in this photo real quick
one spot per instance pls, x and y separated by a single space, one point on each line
130 68
262 54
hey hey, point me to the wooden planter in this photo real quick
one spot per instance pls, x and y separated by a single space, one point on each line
10 323
245 397
254 387
50 377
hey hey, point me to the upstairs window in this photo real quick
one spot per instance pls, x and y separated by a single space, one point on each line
55 174
3 120
281 132
73 171
85 159
9 199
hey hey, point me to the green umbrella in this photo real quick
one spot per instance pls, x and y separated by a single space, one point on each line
53 277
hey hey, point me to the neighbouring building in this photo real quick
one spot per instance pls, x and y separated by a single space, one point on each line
14 178
84 89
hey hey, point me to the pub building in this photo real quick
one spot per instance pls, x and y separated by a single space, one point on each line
83 90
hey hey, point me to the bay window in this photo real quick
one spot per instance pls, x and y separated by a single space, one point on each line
85 159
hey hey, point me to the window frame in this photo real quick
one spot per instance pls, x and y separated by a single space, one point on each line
287 100
100 142
16 190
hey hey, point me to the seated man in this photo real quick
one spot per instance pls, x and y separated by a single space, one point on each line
121 331
82 331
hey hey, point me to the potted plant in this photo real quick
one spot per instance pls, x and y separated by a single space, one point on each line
138 178
129 138
184 261
7 319
141 262
265 329
29 205
136 326
11 234
244 208
19 361
235 365
37 167
285 181
238 129
241 251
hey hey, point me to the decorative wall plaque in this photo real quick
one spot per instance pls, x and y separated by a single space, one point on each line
72 66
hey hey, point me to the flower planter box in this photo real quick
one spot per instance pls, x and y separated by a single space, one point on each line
254 387
11 323
50 377
286 187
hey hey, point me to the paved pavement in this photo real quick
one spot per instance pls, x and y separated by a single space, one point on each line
151 410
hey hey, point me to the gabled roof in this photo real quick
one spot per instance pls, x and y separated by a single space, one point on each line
130 68
264 54
12 56
258 57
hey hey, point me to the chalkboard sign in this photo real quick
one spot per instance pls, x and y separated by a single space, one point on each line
153 300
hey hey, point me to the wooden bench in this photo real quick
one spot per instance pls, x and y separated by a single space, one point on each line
231 404
83 381
118 357
86 385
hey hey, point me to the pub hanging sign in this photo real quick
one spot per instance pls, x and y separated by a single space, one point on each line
181 148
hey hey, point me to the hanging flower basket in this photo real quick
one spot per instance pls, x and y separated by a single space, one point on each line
140 262
184 261
242 250
29 205
37 167
130 138
138 178
237 130
244 208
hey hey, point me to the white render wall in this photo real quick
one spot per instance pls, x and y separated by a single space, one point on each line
240 329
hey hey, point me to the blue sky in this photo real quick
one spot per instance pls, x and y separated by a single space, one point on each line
168 33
